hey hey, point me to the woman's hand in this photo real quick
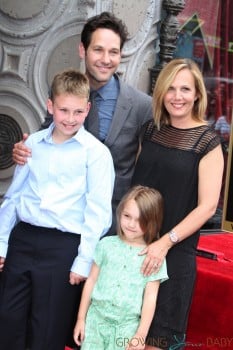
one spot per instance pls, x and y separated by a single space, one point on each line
155 255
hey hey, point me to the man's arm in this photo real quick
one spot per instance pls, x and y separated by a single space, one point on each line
20 151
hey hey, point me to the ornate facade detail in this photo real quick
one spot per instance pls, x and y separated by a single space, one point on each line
140 51
10 132
23 21
168 35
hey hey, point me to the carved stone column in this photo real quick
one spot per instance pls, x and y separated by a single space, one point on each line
168 36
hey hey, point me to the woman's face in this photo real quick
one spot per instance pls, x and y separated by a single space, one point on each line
180 97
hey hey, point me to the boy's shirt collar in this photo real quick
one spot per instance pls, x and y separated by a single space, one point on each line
47 135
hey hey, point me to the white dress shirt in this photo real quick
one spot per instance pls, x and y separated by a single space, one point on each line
66 186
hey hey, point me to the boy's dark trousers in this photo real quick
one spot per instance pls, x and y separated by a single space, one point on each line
36 298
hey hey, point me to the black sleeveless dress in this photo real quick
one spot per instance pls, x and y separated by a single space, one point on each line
169 162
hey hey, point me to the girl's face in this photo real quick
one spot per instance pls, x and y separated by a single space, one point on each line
180 97
129 222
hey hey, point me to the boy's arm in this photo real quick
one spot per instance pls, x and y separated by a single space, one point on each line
8 213
147 313
98 209
79 330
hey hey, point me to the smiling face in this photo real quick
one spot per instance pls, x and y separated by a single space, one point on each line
180 98
69 113
129 222
102 56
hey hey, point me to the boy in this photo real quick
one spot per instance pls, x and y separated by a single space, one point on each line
55 211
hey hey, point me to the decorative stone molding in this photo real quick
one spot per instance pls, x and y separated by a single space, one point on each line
17 115
140 50
168 35
20 19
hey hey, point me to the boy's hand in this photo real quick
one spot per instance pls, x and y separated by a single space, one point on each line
2 261
79 332
75 278
21 152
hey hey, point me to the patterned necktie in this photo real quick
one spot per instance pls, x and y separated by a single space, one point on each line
94 105
92 121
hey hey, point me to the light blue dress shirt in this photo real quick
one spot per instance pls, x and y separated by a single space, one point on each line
106 100
66 186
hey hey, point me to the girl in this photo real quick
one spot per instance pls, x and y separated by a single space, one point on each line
118 301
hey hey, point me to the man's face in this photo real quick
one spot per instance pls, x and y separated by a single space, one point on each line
102 56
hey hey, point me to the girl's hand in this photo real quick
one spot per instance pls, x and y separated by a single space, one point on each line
155 255
137 342
79 332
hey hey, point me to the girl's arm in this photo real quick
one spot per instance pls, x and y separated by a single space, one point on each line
209 187
148 309
79 330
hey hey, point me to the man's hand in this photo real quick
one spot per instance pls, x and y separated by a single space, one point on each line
21 152
75 278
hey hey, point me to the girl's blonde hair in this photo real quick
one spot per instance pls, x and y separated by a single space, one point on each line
165 80
150 205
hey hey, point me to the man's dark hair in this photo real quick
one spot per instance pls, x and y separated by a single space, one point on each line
104 20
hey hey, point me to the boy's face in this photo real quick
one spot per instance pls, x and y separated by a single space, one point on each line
69 113
102 56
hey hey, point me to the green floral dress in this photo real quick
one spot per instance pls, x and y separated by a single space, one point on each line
115 309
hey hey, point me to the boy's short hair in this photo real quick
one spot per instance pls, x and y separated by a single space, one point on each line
70 81
104 20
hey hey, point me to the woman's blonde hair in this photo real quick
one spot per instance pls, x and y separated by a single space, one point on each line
165 80
150 205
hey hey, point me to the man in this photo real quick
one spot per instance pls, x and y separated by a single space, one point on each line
122 110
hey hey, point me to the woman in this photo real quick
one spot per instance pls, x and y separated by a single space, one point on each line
181 157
